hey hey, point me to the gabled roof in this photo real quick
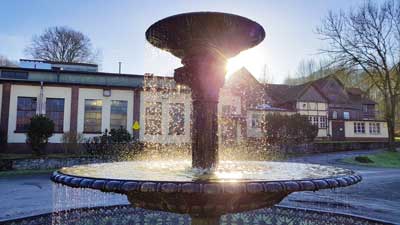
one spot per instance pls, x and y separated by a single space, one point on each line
320 83
354 95
282 93
240 76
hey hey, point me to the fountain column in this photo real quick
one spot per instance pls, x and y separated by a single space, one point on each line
204 73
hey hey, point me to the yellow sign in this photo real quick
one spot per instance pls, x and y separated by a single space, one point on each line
136 126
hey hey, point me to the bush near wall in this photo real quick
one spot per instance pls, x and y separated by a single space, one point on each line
40 129
287 130
117 143
71 142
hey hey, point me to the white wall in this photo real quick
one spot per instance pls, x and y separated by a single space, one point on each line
227 98
92 93
349 130
255 132
34 91
314 109
311 106
165 99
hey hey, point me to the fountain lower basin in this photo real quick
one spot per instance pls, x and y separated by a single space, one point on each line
234 186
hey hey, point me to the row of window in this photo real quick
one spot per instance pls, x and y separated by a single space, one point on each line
320 121
93 115
374 128
153 115
26 108
346 115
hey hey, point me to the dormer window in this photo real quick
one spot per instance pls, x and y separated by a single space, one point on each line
365 108
346 115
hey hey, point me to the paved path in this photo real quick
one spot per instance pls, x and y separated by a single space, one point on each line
377 196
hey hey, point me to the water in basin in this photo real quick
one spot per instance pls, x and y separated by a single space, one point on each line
227 171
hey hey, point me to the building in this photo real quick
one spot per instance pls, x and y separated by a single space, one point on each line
341 114
80 99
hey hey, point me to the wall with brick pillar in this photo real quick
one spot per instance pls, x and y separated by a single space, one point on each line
74 109
136 112
5 110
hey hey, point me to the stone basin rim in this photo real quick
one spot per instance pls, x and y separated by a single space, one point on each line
205 187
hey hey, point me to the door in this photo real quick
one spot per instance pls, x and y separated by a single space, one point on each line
338 130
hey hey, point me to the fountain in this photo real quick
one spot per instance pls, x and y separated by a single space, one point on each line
204 188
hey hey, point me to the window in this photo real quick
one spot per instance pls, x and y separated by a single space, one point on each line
374 128
118 117
304 105
313 120
26 109
55 111
255 121
323 122
346 115
365 108
92 123
14 74
334 115
153 118
176 119
359 128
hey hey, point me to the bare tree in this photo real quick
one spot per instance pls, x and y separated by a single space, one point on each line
368 38
309 70
266 76
62 44
6 62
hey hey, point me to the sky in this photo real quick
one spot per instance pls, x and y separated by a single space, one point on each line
117 30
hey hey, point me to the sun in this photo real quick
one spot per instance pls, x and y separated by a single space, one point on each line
253 59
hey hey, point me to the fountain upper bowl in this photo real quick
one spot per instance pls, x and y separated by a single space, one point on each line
187 33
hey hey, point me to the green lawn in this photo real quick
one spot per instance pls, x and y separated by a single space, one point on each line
397 139
384 159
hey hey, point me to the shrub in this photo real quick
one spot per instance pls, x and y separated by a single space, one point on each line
97 145
288 129
3 137
40 130
363 159
120 135
71 141
117 143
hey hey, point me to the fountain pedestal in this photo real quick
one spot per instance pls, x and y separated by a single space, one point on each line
204 41
205 74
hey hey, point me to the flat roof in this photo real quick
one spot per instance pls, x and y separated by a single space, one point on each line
57 62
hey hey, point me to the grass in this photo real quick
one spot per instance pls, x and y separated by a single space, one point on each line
397 139
10 173
386 159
